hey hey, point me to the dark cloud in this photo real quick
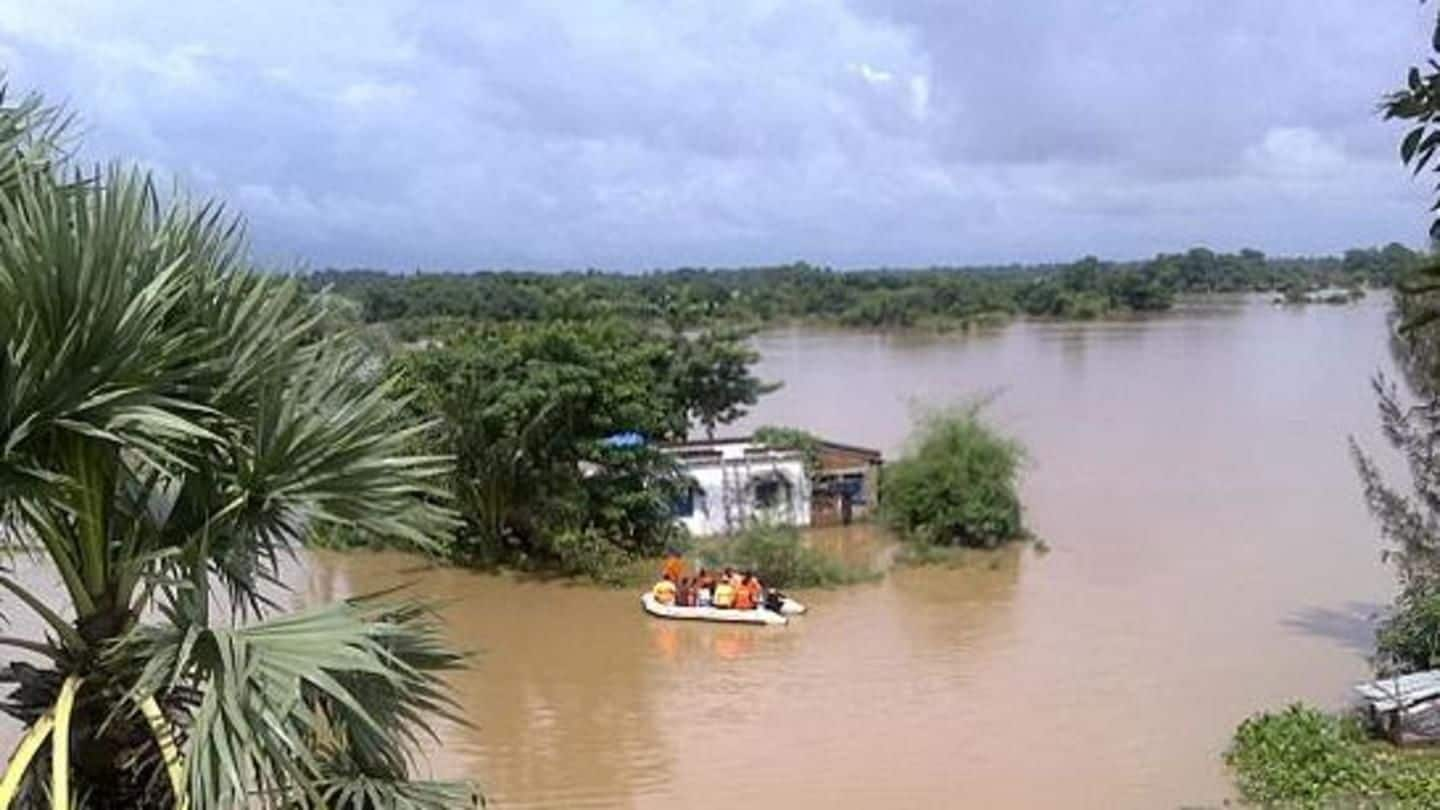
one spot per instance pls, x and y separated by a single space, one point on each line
636 134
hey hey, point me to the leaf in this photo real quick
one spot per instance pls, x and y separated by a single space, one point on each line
292 703
1408 146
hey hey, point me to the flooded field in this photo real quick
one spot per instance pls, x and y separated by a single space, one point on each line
1210 557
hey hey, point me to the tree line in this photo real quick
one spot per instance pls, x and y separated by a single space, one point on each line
877 298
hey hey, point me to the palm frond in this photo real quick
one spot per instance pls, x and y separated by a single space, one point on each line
299 705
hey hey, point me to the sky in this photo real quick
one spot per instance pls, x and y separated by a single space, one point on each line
557 134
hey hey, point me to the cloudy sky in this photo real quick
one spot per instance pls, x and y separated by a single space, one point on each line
574 133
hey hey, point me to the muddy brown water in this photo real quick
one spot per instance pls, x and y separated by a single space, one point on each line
1210 557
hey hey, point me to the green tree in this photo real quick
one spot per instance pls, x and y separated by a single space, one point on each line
527 411
1410 520
957 483
711 376
171 423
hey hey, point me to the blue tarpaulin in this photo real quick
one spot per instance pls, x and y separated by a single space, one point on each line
630 439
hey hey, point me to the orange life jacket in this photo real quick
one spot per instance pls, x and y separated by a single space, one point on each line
674 569
744 598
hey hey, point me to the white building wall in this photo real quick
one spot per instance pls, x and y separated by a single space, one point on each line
728 486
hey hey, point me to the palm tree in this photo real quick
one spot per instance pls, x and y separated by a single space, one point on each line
172 424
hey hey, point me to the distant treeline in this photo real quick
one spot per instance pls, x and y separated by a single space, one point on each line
1088 288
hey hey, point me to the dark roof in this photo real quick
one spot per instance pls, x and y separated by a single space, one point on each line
850 448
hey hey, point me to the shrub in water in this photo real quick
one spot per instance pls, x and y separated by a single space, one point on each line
1300 757
1305 758
780 557
957 484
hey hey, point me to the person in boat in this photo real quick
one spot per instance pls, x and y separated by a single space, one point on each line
664 591
744 596
724 596
703 585
685 593
773 600
754 588
674 567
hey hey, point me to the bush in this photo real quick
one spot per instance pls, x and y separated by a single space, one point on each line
956 485
780 557
589 553
1300 756
1305 758
1408 640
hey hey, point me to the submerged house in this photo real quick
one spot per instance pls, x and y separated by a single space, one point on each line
737 482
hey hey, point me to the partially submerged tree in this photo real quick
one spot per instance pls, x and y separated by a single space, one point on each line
957 483
172 422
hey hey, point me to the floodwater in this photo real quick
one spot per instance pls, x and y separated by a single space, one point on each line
1210 557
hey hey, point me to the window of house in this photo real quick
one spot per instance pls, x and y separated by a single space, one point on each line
771 492
689 501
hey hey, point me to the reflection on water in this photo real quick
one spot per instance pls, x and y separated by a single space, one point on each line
1211 557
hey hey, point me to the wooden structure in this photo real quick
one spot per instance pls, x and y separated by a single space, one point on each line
1405 708
845 484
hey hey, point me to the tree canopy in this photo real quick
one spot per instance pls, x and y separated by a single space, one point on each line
556 430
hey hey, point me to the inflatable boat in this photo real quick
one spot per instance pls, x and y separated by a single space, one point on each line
710 614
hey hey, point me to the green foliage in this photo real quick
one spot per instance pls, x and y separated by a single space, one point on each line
525 409
781 558
1304 758
1407 521
419 305
710 375
789 438
957 484
1408 639
1419 103
1301 757
171 420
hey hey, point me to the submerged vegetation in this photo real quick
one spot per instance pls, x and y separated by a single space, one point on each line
429 303
1305 758
957 485
172 423
780 556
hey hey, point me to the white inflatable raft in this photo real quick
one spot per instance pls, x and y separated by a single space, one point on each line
710 614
